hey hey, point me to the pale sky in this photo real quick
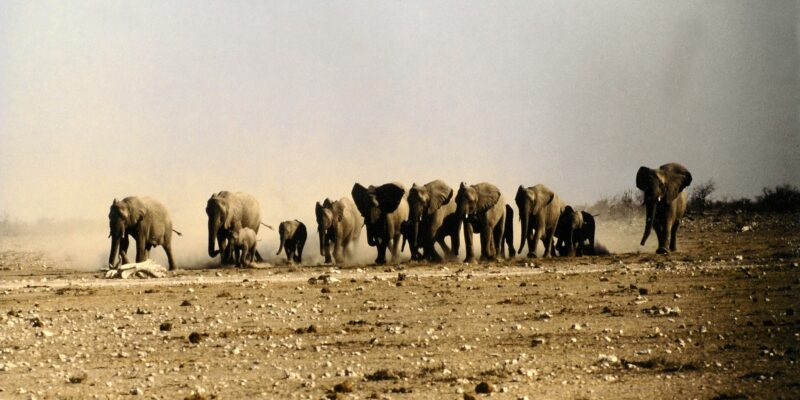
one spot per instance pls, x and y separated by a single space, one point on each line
294 101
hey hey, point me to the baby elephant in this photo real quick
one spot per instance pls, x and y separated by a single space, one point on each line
574 229
293 239
244 247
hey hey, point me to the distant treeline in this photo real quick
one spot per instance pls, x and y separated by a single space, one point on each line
782 198
13 227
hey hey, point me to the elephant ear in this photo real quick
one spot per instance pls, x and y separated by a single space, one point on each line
389 196
521 197
488 195
440 195
677 178
327 203
544 196
645 178
361 198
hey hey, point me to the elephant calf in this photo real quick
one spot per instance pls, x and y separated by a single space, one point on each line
244 246
573 230
293 238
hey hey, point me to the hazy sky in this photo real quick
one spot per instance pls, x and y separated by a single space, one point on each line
294 101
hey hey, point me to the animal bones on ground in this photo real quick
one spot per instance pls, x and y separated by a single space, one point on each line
144 269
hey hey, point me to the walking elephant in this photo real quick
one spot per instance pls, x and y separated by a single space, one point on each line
482 209
339 227
145 219
539 210
228 212
244 243
432 218
293 238
384 208
665 202
573 230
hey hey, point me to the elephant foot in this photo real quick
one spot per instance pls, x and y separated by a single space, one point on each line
661 250
469 260
532 255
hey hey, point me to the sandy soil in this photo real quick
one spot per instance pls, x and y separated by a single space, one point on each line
716 320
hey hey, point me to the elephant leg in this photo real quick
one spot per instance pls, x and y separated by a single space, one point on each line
141 249
548 242
381 259
571 244
395 244
257 256
468 242
497 237
673 242
170 259
533 243
662 231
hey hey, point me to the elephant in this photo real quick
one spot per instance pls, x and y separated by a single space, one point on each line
431 218
228 212
244 246
384 208
293 238
339 227
482 209
573 230
545 207
665 202
145 219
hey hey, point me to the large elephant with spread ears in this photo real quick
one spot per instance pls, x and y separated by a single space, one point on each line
145 219
228 212
384 209
431 218
665 202
339 226
482 209
539 210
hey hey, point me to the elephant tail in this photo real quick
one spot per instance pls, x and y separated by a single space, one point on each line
268 227
179 234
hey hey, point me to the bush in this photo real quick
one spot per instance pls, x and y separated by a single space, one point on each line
699 199
624 205
781 199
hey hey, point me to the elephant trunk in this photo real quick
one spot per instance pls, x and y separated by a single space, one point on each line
280 247
524 216
213 228
649 217
113 257
371 235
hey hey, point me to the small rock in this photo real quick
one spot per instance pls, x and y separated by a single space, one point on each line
643 291
484 388
468 396
538 341
165 327
195 337
78 378
344 387
186 303
136 391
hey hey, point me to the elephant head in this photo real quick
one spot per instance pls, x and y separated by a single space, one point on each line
530 201
424 201
326 217
475 199
219 221
122 215
374 203
660 186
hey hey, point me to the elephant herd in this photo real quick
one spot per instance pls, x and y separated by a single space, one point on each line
423 217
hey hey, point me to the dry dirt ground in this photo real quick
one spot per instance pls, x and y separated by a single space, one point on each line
715 321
